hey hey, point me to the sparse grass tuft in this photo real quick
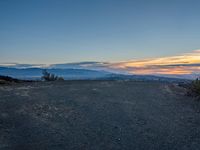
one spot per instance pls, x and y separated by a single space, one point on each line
50 76
194 88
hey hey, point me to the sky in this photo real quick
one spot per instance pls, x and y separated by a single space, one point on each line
114 31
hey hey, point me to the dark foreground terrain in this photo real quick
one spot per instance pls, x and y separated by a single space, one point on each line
98 115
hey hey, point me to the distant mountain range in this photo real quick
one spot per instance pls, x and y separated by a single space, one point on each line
78 74
36 73
79 70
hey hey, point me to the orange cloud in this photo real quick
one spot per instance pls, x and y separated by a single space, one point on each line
187 63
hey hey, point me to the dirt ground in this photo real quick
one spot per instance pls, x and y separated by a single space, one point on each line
98 115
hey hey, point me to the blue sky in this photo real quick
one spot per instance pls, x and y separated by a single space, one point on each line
61 31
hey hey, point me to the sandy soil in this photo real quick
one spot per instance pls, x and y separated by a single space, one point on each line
98 115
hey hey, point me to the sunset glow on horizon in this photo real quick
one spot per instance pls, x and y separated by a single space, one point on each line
183 64
187 63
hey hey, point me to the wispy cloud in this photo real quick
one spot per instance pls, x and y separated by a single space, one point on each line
23 66
187 63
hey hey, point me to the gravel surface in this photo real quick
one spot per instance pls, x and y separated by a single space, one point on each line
98 115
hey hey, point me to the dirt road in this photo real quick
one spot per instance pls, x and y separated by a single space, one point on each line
98 115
